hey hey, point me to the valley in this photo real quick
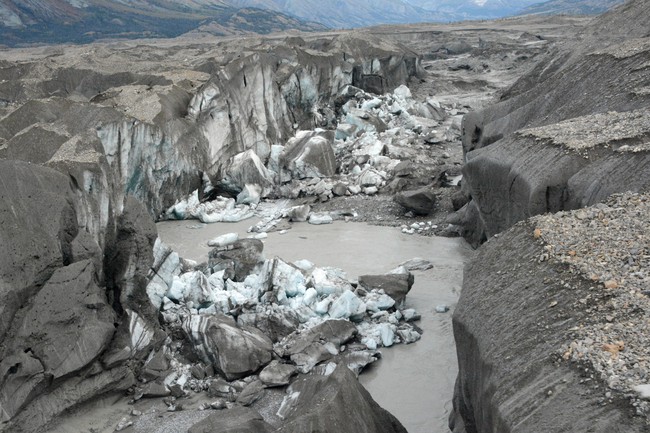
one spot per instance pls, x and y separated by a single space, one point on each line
214 233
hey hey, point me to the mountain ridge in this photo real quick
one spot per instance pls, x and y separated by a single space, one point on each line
571 7
83 21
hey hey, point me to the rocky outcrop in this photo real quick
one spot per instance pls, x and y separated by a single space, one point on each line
525 154
567 135
58 321
323 404
513 322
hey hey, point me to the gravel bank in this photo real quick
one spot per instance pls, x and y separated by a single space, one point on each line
609 245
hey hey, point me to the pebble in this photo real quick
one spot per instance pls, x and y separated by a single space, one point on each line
123 424
442 308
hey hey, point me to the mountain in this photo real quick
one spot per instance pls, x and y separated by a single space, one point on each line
349 13
362 13
474 9
81 21
572 7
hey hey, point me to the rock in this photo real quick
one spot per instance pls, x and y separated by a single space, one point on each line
251 393
643 391
155 389
276 322
312 355
123 424
442 308
309 155
223 240
340 189
277 374
421 201
404 169
417 264
23 378
71 295
234 352
236 420
239 261
221 388
39 225
299 213
337 332
324 404
320 219
396 285
218 404
357 360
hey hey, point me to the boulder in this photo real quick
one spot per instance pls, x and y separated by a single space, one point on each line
394 285
340 189
238 261
310 154
276 322
421 201
277 374
233 351
251 393
312 355
336 404
337 332
236 420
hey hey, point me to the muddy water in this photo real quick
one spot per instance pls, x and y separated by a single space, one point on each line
413 382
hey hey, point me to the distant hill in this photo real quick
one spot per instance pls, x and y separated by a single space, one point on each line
79 21
362 13
572 7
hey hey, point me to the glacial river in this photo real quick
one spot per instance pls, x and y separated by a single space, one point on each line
414 382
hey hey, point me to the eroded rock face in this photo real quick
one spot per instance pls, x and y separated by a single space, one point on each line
38 228
522 157
58 321
510 353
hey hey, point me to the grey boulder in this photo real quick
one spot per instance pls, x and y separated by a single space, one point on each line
335 404
233 351
394 285
420 201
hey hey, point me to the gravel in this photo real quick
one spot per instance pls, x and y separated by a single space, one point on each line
609 246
